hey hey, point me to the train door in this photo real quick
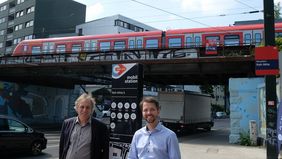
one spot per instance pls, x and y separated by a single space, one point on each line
48 47
189 41
257 37
247 37
198 42
210 42
131 43
139 42
90 45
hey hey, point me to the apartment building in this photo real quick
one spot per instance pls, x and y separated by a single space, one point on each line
33 19
112 25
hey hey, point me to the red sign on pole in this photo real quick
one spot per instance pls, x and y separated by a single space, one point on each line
266 60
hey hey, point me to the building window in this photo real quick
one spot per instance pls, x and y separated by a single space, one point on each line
2 32
2 8
28 37
80 32
20 1
16 41
128 26
29 10
2 20
18 27
29 24
20 13
1 45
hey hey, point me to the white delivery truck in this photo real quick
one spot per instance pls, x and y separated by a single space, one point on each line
183 111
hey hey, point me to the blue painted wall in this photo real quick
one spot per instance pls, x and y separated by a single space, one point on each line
243 105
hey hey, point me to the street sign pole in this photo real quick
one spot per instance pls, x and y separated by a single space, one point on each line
270 85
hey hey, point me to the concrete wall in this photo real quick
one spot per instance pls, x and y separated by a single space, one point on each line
243 105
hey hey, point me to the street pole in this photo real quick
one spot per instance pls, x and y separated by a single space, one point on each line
270 85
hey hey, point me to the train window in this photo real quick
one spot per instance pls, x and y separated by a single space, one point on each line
48 47
213 38
35 50
189 41
247 39
257 38
197 40
119 45
76 48
61 49
131 44
25 48
152 43
174 42
139 43
93 45
231 40
87 45
278 34
104 46
90 45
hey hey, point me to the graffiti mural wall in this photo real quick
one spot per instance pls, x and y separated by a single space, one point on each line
36 104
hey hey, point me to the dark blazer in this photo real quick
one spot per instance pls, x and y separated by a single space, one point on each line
99 142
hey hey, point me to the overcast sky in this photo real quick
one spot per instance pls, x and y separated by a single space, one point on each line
173 14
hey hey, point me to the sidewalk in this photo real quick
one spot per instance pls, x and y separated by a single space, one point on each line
214 145
196 151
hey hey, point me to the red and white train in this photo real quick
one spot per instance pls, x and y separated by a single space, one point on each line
181 38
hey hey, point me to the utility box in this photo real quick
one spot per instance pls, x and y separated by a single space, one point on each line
253 132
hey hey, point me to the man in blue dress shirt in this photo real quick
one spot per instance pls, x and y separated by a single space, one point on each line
154 141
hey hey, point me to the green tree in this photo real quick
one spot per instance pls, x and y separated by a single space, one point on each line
277 11
278 42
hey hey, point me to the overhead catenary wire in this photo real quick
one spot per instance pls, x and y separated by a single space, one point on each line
195 21
245 4
183 17
180 17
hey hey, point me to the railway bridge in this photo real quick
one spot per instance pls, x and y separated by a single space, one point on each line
161 66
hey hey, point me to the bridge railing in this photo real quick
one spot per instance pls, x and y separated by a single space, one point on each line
126 55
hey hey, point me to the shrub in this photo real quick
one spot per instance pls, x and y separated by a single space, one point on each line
245 139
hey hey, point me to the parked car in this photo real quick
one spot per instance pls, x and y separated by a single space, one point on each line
16 136
106 113
220 115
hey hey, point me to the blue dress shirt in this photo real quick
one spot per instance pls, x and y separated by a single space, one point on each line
161 143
